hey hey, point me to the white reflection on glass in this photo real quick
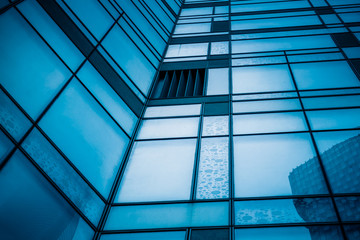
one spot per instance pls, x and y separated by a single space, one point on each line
218 81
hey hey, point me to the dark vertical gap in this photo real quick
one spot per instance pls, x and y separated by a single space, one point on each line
182 84
160 84
166 85
197 83
174 84
190 83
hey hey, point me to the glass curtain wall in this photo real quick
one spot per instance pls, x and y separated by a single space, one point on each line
223 120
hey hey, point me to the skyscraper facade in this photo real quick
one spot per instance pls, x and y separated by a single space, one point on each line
218 119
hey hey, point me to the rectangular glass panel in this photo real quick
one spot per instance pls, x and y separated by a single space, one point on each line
5 146
269 105
349 208
87 135
213 173
192 28
269 165
218 81
186 50
219 48
334 119
158 171
269 122
146 236
302 210
164 128
168 216
331 102
215 126
172 111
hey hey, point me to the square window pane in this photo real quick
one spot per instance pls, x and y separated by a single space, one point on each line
158 171
215 126
349 208
219 48
277 165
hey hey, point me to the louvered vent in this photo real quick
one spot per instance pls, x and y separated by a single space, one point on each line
179 83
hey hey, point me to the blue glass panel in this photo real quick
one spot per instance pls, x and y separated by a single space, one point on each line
349 208
215 126
213 173
331 102
218 81
269 105
5 146
173 110
55 166
87 135
108 97
269 6
293 233
185 50
334 119
46 215
145 236
284 211
324 75
52 33
93 16
270 165
30 71
352 231
350 17
262 79
168 216
11 118
129 57
158 171
269 122
340 154
352 52
192 28
196 11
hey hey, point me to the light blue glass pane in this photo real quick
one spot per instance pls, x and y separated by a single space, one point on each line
350 17
269 105
342 2
334 119
272 165
192 28
315 57
168 216
93 16
146 236
30 71
281 44
340 154
349 208
159 171
284 211
196 11
352 52
318 3
269 122
185 50
218 81
55 166
262 79
219 48
331 102
324 75
275 22
52 33
129 57
293 233
164 128
221 9
215 126
46 215
108 97
87 136
330 19
213 173
174 110
5 146
11 118
269 6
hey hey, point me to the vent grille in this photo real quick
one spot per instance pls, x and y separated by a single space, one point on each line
179 83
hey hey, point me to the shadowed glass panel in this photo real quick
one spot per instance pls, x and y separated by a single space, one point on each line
146 236
334 119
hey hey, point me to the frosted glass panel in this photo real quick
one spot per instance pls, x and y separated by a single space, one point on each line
186 50
269 105
87 135
174 110
56 167
159 171
334 119
168 216
164 128
324 75
146 236
272 165
218 81
262 79
213 175
284 211
269 122
219 48
215 126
